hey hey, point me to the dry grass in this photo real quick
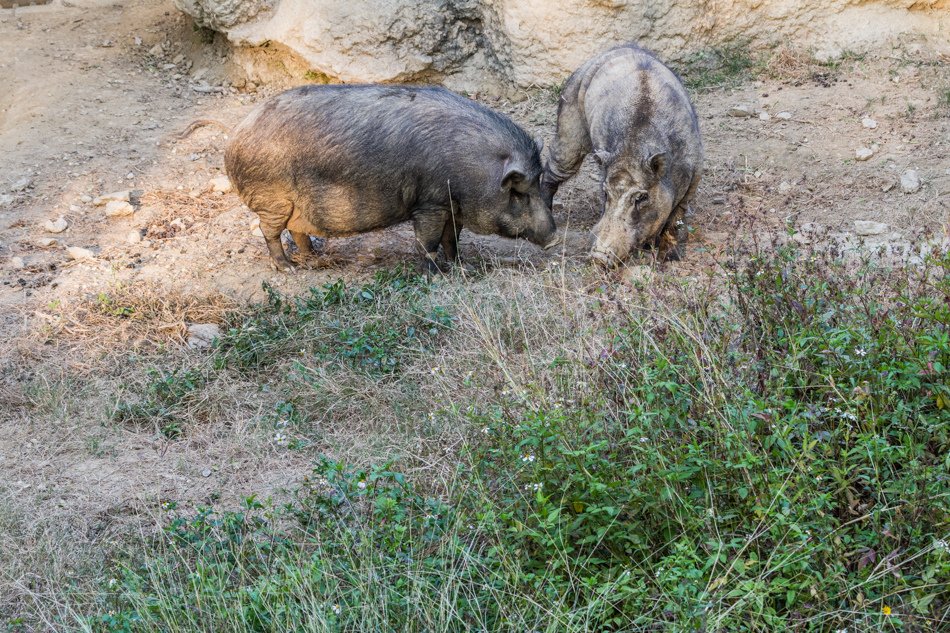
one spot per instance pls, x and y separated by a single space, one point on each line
126 317
178 211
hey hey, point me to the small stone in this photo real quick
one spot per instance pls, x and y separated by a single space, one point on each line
22 184
130 175
85 199
47 242
119 208
155 51
56 226
123 196
868 227
16 263
168 66
5 199
257 232
179 58
765 116
134 237
784 187
785 116
206 473
75 252
910 181
863 153
869 123
201 335
221 183
740 111
137 40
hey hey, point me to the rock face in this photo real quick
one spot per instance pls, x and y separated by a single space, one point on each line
503 44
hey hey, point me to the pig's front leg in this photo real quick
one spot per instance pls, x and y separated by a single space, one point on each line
429 225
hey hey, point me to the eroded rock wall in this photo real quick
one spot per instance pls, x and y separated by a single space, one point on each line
501 45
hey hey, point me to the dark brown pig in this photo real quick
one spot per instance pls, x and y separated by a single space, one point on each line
631 111
333 161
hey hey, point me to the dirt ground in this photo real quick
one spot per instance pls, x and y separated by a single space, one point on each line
96 93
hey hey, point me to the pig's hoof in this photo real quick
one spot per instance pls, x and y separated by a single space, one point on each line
283 267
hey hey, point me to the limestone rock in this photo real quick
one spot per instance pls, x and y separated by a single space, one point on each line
116 196
863 153
221 184
867 227
201 335
910 181
118 209
506 45
75 252
56 226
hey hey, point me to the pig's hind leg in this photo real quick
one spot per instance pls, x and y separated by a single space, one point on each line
305 247
273 222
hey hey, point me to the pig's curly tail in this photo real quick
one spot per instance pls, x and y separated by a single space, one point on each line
201 123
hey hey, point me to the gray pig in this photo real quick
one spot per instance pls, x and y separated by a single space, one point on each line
333 161
633 113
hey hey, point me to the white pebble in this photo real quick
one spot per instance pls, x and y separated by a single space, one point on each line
119 208
785 116
869 123
863 153
221 184
75 252
868 227
123 196
56 226
910 181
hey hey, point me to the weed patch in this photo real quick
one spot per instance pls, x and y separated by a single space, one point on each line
771 458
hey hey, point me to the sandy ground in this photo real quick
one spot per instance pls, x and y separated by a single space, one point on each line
95 93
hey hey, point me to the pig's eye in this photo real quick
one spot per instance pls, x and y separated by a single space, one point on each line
641 198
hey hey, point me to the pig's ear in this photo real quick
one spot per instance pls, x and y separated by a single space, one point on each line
602 157
514 174
657 164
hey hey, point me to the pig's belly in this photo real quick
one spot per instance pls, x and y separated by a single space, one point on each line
342 210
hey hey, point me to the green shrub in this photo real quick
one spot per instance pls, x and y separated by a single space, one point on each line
773 455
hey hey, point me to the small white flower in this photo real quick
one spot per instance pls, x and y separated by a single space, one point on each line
534 487
113 582
680 223
361 485
280 438
644 440
435 370
942 544
527 458
336 609
486 430
860 351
